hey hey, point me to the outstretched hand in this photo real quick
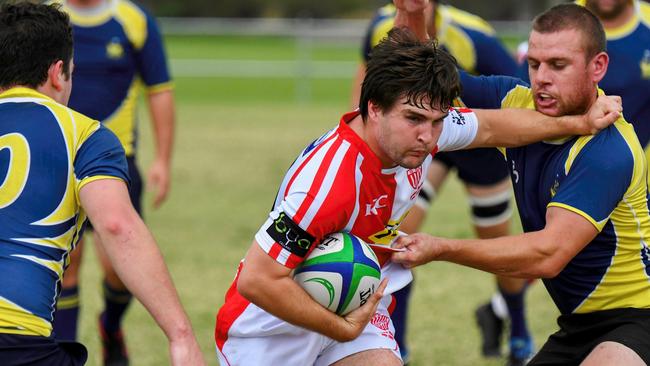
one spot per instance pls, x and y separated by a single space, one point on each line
606 110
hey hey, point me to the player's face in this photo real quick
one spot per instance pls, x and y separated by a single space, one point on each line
559 75
407 134
608 9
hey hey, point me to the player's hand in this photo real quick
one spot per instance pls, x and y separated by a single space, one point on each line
420 249
186 352
356 320
604 112
158 180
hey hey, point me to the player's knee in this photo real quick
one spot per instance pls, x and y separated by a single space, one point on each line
491 210
426 195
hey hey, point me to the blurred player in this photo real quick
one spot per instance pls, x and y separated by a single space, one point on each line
58 167
582 201
473 43
361 177
117 49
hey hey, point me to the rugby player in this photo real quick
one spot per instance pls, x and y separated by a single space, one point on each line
366 161
57 168
118 50
582 202
474 45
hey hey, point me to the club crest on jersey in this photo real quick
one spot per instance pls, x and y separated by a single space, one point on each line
114 49
414 176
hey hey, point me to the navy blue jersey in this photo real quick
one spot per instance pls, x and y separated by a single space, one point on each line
601 178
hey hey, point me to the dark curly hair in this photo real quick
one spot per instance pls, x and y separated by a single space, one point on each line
403 66
32 38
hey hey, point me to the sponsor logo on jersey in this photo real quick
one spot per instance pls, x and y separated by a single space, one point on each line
290 236
414 176
382 322
457 117
377 203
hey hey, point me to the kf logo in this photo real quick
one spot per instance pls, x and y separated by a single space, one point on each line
377 203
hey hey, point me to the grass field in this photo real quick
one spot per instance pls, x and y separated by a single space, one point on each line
235 138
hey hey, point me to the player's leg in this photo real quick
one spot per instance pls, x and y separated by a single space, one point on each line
435 177
66 316
612 354
116 296
374 357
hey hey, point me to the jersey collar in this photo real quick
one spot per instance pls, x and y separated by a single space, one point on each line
23 92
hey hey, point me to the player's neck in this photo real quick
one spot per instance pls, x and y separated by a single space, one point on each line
86 4
362 129
625 16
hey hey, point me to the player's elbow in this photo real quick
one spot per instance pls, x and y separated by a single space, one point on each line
248 285
548 263
115 224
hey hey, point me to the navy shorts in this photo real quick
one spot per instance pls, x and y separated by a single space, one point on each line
21 350
479 167
579 334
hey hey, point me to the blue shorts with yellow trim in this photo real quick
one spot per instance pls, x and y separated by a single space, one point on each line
479 167
22 350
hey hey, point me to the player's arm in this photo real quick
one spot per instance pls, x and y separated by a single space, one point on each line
269 285
538 254
135 256
162 111
513 127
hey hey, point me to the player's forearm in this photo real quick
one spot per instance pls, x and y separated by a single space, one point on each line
517 127
140 265
283 298
161 106
527 255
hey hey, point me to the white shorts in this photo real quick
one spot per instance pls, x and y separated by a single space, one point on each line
259 338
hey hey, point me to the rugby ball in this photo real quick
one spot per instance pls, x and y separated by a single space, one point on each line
341 273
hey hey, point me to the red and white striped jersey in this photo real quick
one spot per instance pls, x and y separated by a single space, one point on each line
338 184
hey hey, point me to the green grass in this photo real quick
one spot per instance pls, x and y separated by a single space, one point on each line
235 139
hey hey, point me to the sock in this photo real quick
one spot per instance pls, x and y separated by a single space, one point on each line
116 302
67 314
399 316
516 310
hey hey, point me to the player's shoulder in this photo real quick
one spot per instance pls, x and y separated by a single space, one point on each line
644 13
519 95
615 148
134 19
465 20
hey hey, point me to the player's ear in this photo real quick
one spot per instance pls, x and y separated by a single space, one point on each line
598 66
56 75
374 110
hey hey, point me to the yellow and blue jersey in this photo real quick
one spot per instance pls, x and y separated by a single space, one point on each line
601 178
470 39
117 49
48 153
